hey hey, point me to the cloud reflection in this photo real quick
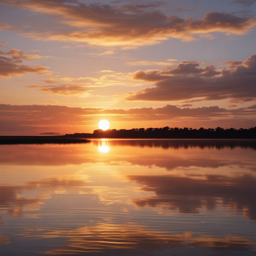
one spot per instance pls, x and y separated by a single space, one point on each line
136 238
4 240
12 200
188 195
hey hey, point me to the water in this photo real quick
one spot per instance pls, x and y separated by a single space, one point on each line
129 197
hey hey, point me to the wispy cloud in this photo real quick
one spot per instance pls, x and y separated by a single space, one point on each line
3 43
151 63
7 26
106 53
19 55
245 2
50 80
61 89
137 8
79 85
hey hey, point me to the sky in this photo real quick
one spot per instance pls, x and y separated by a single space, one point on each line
67 64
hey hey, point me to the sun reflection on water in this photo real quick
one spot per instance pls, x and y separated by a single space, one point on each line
103 149
103 146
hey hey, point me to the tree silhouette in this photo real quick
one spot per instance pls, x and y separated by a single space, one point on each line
166 132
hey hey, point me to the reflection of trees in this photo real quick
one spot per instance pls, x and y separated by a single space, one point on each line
181 143
117 239
189 195
58 155
14 203
171 162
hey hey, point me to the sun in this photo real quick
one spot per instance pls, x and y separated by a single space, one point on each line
104 124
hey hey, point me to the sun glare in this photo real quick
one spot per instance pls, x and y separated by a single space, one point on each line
104 124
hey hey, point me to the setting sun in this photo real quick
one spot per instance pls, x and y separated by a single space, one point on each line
104 125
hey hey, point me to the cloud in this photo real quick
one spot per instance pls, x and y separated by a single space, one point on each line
186 105
8 68
7 26
245 2
149 63
80 85
110 238
188 81
62 89
108 78
18 56
169 112
128 26
3 43
21 118
141 7
50 80
188 195
12 66
107 71
88 80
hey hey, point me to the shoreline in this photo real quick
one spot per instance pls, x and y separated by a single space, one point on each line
14 140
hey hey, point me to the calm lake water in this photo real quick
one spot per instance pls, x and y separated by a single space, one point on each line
129 197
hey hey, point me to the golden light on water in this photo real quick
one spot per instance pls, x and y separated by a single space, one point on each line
103 149
103 146
104 124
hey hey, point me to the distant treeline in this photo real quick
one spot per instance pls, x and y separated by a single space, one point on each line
167 132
